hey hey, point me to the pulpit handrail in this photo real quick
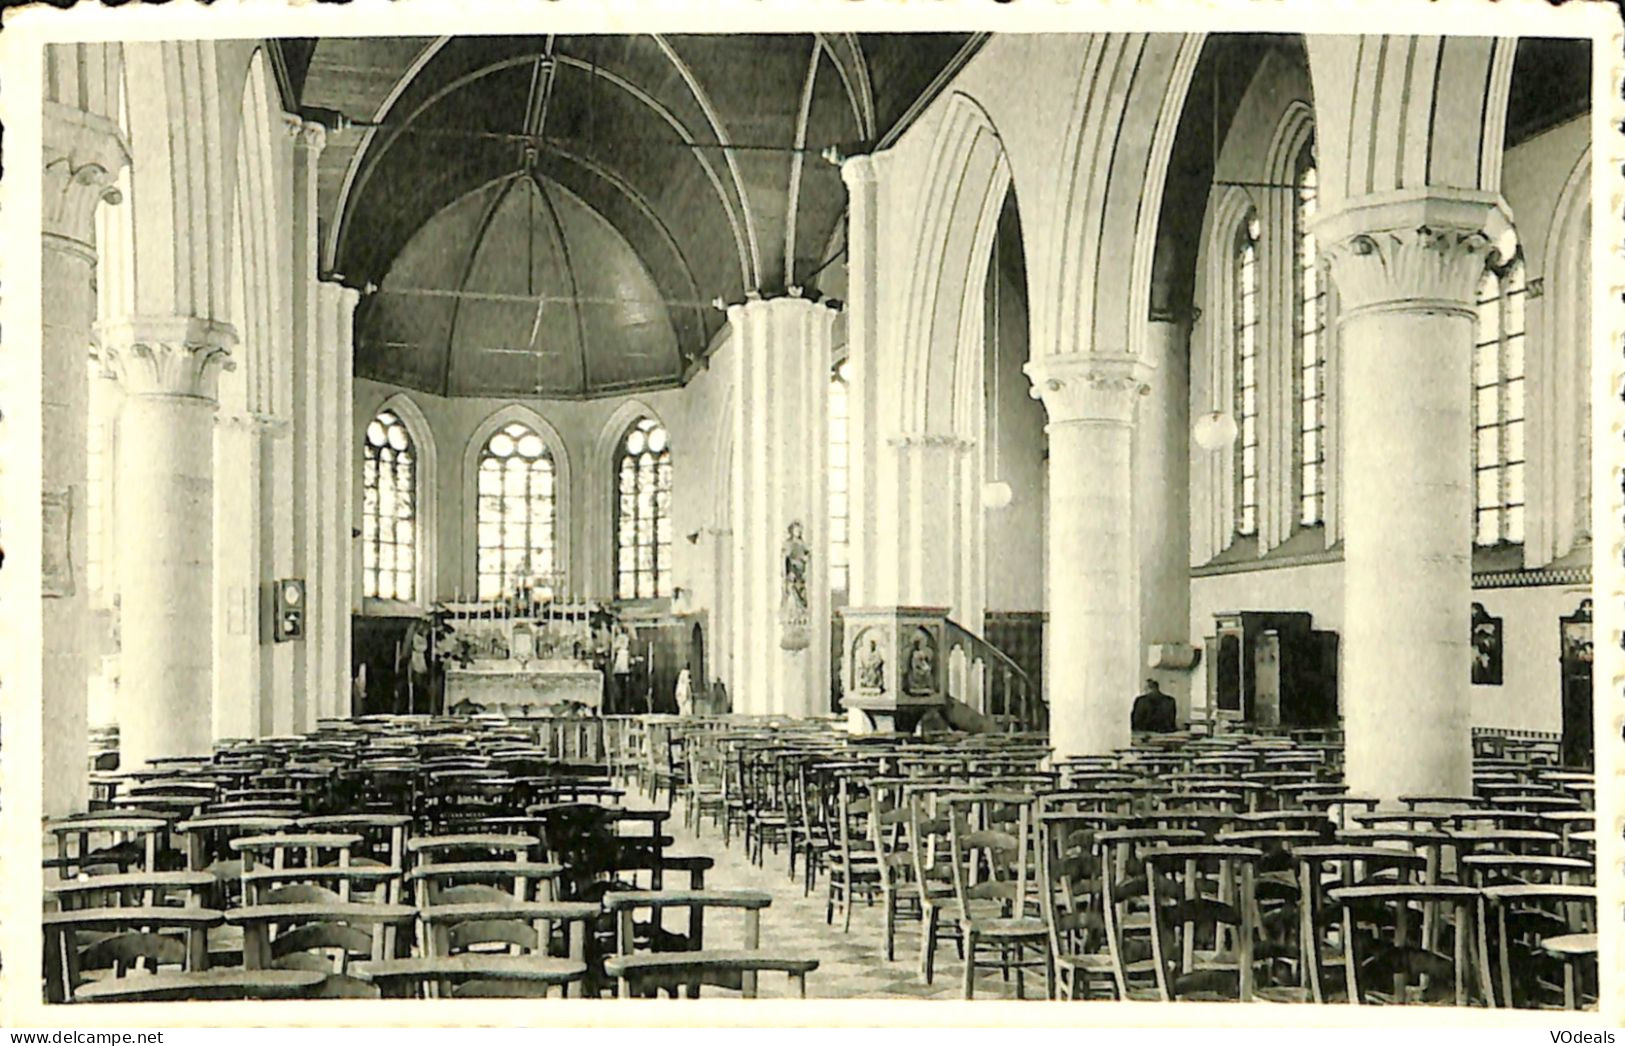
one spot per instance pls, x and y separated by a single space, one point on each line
977 646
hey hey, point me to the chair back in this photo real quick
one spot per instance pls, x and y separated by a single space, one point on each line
1198 895
992 853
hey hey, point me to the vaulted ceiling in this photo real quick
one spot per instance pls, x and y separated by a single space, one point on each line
555 215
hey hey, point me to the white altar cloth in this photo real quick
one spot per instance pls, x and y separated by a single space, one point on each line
518 688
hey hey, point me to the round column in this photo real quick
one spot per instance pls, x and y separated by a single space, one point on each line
1162 501
82 157
1091 664
780 360
1407 270
164 502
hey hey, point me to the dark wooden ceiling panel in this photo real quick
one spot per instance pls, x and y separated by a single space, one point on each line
682 169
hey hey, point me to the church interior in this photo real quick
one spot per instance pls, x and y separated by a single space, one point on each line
839 515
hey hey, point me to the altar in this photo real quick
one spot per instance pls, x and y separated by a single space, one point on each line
522 658
514 687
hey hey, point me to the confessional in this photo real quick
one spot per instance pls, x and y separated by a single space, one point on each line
1575 665
1271 669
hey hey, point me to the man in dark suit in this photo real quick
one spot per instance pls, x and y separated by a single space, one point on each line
1153 712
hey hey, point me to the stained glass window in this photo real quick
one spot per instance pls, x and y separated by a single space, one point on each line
388 510
643 512
517 517
1244 272
1311 345
1498 407
839 502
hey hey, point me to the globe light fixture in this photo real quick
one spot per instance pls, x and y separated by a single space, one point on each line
1214 430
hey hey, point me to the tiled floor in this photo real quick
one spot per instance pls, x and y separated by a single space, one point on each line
851 965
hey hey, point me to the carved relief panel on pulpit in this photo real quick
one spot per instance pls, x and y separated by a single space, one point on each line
892 666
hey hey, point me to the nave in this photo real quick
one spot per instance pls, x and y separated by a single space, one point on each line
624 856
955 539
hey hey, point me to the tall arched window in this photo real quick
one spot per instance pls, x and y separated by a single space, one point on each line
1310 330
388 510
643 512
1244 294
517 514
839 501
1498 408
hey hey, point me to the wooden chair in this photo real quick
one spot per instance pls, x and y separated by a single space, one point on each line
133 889
766 821
383 836
854 866
894 864
481 920
297 908
119 939
1202 904
294 849
1322 866
703 790
205 986
931 856
1523 917
645 973
471 975
1406 967
1499 869
132 842
1125 904
997 893
1578 954
1070 880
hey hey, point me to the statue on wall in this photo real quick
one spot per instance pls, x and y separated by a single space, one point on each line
871 666
793 616
922 665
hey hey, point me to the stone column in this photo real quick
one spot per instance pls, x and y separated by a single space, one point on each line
335 341
861 175
931 542
1407 268
82 157
309 138
274 437
781 362
168 367
1091 665
1162 499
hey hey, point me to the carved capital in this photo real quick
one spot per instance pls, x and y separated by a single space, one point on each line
1086 386
308 133
83 154
1411 252
167 355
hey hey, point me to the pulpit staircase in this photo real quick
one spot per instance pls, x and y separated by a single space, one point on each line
984 681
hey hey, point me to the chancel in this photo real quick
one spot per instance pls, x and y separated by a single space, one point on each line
1137 545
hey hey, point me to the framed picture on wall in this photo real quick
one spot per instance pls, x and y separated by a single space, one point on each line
1487 647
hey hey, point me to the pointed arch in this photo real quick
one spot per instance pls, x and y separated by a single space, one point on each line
1403 112
968 177
1213 371
1559 518
1125 113
467 566
183 178
426 489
